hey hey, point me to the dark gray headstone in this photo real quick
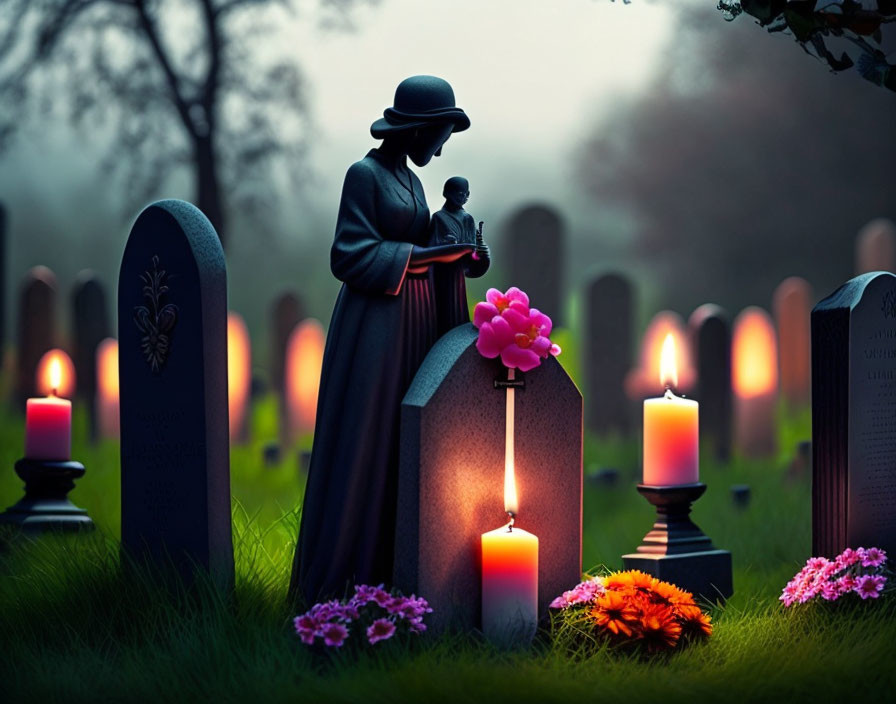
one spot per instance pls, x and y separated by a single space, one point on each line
286 313
609 353
535 250
854 416
172 326
451 476
709 328
36 328
90 327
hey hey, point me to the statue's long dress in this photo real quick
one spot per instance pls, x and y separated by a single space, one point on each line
382 326
449 280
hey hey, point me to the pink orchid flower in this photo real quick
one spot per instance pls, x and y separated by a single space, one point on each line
510 329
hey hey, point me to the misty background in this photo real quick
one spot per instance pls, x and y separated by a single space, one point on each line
707 159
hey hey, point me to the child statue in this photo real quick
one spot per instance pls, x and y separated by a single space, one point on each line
454 225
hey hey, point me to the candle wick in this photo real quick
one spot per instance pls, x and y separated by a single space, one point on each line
53 392
668 393
510 525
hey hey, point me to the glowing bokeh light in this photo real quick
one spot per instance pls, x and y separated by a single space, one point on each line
754 354
304 358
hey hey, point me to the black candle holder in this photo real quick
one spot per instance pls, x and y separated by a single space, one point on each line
45 505
676 550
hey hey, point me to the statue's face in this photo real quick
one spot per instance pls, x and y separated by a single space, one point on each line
458 196
428 143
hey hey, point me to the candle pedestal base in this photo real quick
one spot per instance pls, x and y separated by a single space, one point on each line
676 550
46 505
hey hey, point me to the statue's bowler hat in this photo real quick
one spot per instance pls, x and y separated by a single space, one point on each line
420 101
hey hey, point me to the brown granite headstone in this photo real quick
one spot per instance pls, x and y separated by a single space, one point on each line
451 477
609 352
792 305
709 328
534 248
876 247
854 416
36 328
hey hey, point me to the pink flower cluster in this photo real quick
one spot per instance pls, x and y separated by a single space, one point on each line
372 610
582 593
860 571
510 329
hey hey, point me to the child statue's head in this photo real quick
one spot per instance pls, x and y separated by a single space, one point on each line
457 190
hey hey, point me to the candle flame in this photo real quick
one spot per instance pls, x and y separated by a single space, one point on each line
668 366
511 501
55 375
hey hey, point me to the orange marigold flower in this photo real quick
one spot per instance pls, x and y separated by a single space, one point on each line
689 612
670 594
614 612
699 626
659 628
634 579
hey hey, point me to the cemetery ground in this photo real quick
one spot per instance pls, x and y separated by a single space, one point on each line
73 627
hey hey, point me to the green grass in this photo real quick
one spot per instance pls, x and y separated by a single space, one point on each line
76 627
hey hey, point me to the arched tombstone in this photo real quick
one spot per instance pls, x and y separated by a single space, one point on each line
286 312
709 328
609 352
854 416
451 476
535 248
90 326
876 247
792 306
172 325
36 327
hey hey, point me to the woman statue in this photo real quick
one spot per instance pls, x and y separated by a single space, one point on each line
383 324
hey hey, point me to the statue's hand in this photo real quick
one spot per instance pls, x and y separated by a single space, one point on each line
482 253
441 254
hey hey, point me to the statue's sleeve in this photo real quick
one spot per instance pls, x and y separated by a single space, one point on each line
440 231
360 256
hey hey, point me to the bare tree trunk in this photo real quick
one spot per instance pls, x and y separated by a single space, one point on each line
208 187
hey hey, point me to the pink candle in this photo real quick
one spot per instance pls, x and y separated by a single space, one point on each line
670 441
48 429
509 585
671 433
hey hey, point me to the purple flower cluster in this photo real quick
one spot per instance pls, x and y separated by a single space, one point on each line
861 571
582 593
372 610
